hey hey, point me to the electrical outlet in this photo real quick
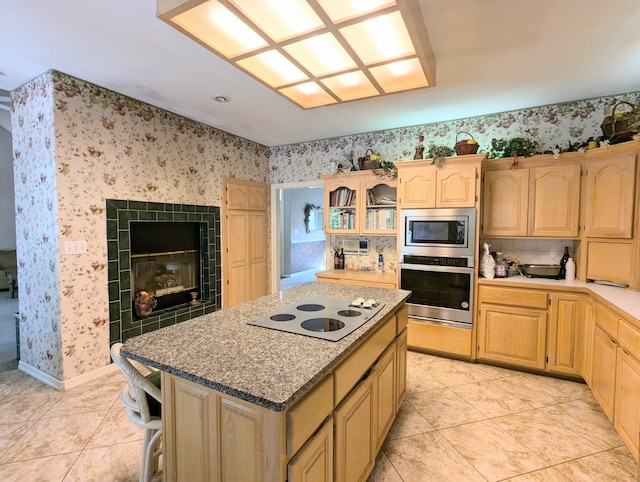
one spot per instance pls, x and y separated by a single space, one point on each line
75 247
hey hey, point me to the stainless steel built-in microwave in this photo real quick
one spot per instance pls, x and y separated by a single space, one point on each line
438 232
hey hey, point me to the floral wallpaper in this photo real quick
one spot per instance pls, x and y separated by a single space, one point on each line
550 125
75 145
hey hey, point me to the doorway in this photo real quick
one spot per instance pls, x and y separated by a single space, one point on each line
298 244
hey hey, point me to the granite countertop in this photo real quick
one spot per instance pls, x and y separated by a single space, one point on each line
623 299
266 367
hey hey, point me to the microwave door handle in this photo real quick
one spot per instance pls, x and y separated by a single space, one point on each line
426 267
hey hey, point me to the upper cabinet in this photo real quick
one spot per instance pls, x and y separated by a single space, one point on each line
360 203
452 183
541 201
609 186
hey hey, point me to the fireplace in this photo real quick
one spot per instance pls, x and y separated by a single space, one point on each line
165 262
170 251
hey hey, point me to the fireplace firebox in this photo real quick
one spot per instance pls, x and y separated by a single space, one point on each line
165 262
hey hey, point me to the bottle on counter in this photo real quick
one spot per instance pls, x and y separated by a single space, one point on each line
563 263
341 259
380 262
570 270
336 258
501 266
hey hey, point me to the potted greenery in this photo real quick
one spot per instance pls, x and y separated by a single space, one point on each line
516 146
438 151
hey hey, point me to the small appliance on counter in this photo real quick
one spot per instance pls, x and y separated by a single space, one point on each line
549 271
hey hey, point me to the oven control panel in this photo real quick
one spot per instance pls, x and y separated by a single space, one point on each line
435 260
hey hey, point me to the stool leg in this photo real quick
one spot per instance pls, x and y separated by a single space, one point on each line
145 466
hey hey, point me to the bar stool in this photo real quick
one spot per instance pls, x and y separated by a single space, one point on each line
142 400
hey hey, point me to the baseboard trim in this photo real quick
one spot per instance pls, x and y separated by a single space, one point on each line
63 385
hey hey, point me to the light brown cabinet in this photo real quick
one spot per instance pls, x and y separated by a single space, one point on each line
505 198
564 319
359 278
359 203
245 239
450 184
512 335
529 328
335 430
604 358
627 393
314 462
542 201
586 327
609 185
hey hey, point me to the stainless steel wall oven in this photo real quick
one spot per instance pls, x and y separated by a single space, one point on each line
437 255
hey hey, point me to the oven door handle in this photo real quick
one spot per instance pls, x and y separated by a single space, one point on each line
428 267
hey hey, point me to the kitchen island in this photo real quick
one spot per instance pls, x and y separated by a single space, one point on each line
243 402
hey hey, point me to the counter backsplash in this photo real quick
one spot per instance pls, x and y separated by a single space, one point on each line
532 251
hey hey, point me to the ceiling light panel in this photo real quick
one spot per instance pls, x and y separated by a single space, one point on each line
343 10
368 50
281 19
308 95
273 68
351 86
399 76
379 39
219 28
321 55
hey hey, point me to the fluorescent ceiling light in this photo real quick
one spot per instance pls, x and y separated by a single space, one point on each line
314 52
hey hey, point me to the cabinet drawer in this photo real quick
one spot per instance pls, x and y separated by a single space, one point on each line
607 320
356 365
514 297
307 415
629 338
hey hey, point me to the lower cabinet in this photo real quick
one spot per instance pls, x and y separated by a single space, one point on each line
439 338
529 328
512 335
627 393
604 368
564 318
332 433
355 433
314 462
604 359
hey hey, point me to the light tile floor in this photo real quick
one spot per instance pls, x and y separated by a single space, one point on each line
460 422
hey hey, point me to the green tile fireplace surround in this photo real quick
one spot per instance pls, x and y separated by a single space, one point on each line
122 323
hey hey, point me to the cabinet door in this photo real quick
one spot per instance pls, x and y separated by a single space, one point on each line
417 187
512 335
563 334
354 434
604 369
384 389
627 400
609 197
237 287
314 461
554 203
456 187
505 202
257 255
585 344
401 368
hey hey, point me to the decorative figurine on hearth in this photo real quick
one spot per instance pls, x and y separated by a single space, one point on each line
145 303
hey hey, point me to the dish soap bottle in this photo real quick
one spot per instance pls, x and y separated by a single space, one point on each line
563 263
